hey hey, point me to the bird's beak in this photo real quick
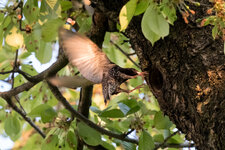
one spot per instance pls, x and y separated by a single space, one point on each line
142 73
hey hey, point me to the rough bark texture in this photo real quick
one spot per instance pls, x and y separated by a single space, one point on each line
186 74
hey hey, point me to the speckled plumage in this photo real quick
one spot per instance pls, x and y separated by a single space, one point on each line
93 64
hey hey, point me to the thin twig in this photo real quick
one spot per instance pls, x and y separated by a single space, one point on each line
21 107
182 145
21 13
129 132
20 5
166 139
131 54
14 68
7 72
127 55
79 116
14 107
25 75
52 70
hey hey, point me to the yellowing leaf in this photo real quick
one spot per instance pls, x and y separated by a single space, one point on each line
51 3
14 39
126 13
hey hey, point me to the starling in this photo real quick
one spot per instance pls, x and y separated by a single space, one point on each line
93 64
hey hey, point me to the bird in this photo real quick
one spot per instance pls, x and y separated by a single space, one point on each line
93 64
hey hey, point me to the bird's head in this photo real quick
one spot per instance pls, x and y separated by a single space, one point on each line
129 71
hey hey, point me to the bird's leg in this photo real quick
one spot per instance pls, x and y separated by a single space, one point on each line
142 74
129 91
138 87
118 90
125 76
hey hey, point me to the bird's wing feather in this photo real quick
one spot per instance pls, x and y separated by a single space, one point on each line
70 82
84 54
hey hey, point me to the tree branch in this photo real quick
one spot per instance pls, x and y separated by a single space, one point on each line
79 116
83 107
6 72
23 114
20 5
59 64
52 70
14 68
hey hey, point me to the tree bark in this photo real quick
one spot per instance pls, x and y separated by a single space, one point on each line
186 74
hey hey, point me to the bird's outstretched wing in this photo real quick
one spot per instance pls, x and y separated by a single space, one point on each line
84 54
70 82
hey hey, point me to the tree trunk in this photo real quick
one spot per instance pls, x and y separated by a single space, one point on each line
186 74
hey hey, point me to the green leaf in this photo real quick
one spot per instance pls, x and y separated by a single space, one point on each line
48 115
46 112
128 146
136 81
176 139
2 115
129 106
49 30
124 108
214 32
12 126
5 66
169 12
49 10
72 139
66 5
162 122
1 18
33 142
84 23
31 11
156 22
6 22
89 135
1 37
28 69
146 141
126 14
113 113
158 138
142 5
2 102
107 146
115 55
147 31
44 54
33 39
50 143
95 109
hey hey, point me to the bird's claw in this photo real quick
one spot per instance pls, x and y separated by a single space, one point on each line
138 87
142 74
